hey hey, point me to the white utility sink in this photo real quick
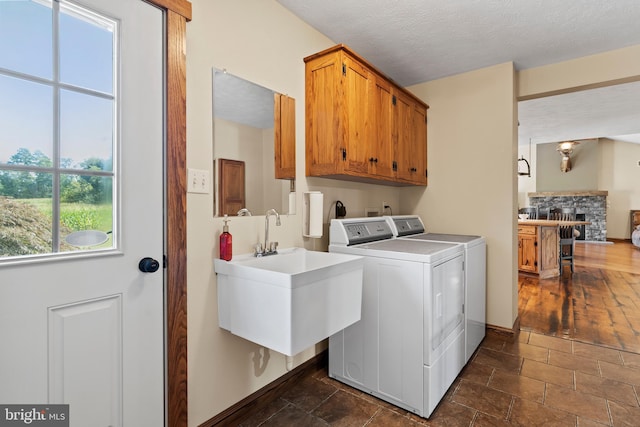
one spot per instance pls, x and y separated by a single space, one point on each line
289 301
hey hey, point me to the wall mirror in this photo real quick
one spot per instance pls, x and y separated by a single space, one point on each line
253 147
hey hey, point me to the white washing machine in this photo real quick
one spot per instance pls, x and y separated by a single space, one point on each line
408 346
475 273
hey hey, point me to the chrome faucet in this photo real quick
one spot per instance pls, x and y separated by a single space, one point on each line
270 248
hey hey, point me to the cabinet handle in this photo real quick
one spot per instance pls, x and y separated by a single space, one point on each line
344 153
373 159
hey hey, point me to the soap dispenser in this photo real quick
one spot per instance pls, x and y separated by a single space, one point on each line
225 241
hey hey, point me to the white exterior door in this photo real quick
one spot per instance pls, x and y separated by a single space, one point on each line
85 327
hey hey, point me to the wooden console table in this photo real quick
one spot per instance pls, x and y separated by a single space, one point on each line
538 246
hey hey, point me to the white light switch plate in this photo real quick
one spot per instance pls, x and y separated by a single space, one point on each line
197 181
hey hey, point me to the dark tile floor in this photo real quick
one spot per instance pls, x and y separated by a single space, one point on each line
536 381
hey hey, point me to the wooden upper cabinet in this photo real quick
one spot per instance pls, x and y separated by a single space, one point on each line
359 124
284 122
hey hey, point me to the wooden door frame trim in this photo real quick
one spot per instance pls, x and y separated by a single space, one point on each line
178 13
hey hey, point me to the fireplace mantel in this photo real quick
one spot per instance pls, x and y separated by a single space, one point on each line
569 193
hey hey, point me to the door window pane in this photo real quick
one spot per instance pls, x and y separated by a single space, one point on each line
26 38
86 130
25 185
25 213
58 127
26 118
86 50
86 212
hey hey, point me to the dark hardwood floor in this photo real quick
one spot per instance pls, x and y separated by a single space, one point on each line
599 303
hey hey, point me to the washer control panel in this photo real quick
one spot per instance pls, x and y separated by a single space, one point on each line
359 230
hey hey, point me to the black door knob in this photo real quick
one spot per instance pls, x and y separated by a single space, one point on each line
148 265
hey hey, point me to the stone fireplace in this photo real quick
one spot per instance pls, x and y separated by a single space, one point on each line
593 204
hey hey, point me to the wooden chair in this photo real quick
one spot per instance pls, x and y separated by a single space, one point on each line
531 210
543 213
567 236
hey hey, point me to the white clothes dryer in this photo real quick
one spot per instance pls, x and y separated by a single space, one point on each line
475 272
408 346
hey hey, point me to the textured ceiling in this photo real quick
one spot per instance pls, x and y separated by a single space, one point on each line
414 41
605 112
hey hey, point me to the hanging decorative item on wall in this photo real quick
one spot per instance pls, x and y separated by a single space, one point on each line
566 149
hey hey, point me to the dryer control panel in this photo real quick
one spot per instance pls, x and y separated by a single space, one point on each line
405 225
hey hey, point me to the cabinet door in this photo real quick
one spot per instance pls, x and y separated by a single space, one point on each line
232 186
419 144
357 116
548 264
412 140
527 253
324 129
383 149
284 123
403 133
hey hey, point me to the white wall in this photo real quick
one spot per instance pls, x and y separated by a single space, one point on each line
602 69
527 184
619 172
472 147
262 42
583 175
472 181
